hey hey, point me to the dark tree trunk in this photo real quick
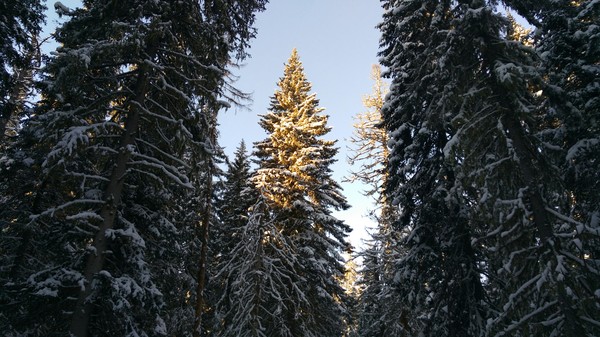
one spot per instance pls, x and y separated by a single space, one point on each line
200 304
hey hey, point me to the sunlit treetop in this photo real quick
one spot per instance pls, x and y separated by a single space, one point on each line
293 159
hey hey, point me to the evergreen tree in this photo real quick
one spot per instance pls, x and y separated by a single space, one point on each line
20 25
370 141
236 197
557 147
436 275
529 234
482 195
261 287
125 126
294 179
570 55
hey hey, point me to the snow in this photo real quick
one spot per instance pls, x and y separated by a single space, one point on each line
454 141
580 146
181 94
595 221
505 72
578 244
169 171
525 318
50 211
47 292
28 161
61 9
85 216
224 104
160 327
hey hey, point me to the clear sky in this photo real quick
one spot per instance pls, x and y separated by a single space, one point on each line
337 42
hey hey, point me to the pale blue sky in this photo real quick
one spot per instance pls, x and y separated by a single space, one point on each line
337 42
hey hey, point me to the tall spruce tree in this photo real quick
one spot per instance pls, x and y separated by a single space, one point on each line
124 131
294 180
20 25
569 45
370 141
479 187
261 288
236 197
370 150
235 200
567 42
534 247
436 277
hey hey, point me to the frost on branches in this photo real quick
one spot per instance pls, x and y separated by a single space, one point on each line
294 266
492 143
101 241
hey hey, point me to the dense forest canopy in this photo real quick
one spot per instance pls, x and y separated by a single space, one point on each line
121 215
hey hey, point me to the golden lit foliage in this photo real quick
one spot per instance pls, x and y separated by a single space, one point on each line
294 124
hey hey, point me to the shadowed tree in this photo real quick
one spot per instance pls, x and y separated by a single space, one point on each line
124 134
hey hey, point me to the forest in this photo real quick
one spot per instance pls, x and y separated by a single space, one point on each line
121 214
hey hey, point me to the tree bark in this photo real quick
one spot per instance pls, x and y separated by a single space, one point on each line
200 301
200 304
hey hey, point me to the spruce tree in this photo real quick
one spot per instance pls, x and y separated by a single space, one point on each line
570 55
436 281
238 194
370 139
124 131
478 178
261 287
530 237
20 25
294 179
235 199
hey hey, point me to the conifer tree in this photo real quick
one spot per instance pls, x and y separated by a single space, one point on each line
466 120
238 194
294 179
261 283
417 41
370 140
522 193
371 152
570 56
562 156
20 25
125 126
235 198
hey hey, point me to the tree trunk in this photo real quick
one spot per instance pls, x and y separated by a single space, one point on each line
528 157
200 301
200 304
112 197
